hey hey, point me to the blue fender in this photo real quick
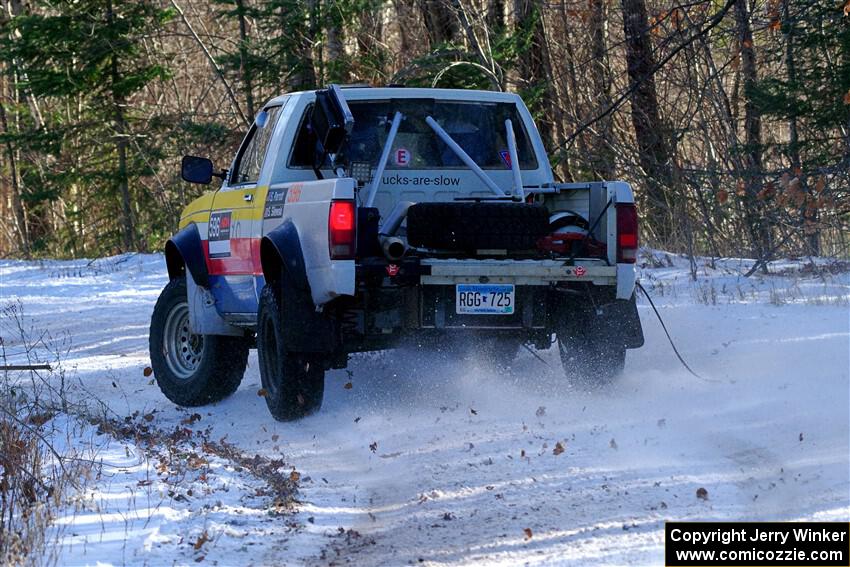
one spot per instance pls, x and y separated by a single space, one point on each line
183 252
281 248
304 329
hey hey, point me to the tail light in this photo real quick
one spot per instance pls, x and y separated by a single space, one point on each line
627 233
342 230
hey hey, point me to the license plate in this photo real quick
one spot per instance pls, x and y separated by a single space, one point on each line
484 299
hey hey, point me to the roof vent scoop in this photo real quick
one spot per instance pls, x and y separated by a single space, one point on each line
331 122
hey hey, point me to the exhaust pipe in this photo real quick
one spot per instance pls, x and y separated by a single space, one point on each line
395 218
393 247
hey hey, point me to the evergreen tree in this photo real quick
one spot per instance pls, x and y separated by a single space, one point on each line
84 61
811 96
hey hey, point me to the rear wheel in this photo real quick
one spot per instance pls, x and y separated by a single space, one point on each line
592 353
589 363
294 382
192 369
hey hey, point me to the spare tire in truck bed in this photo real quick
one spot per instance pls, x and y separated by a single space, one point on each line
476 226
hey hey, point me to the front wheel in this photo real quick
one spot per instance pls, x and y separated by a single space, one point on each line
192 369
294 382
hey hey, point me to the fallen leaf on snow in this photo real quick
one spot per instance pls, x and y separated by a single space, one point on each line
295 476
191 419
202 539
528 533
559 448
147 371
348 385
702 493
541 411
262 392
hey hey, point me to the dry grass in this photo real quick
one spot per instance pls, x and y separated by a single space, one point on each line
34 475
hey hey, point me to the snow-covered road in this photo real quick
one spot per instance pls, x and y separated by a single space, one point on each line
416 459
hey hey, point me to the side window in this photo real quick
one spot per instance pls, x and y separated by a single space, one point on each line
305 143
250 159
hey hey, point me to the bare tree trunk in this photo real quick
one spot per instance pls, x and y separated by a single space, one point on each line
533 73
303 76
337 70
121 133
439 21
654 153
19 214
368 31
20 220
752 135
602 158
244 67
810 216
495 17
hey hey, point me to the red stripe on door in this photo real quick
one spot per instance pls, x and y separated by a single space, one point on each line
244 258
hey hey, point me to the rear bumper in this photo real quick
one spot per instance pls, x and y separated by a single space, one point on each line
419 298
529 273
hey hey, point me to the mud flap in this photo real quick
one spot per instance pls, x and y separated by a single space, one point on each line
619 321
305 330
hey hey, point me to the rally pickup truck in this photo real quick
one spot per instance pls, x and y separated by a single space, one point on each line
359 219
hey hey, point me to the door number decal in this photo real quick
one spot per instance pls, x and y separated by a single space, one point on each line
219 234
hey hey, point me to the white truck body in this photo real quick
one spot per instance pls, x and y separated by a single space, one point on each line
331 278
359 219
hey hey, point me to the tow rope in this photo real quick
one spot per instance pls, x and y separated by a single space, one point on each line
669 338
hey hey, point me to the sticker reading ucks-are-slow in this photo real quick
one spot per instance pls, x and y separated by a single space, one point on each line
402 157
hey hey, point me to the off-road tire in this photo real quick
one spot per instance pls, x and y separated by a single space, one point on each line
293 383
476 226
191 369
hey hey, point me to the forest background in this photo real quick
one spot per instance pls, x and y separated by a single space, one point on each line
730 118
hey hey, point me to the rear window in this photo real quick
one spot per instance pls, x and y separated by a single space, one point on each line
478 127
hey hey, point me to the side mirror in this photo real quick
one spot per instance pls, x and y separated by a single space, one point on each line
196 170
331 120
